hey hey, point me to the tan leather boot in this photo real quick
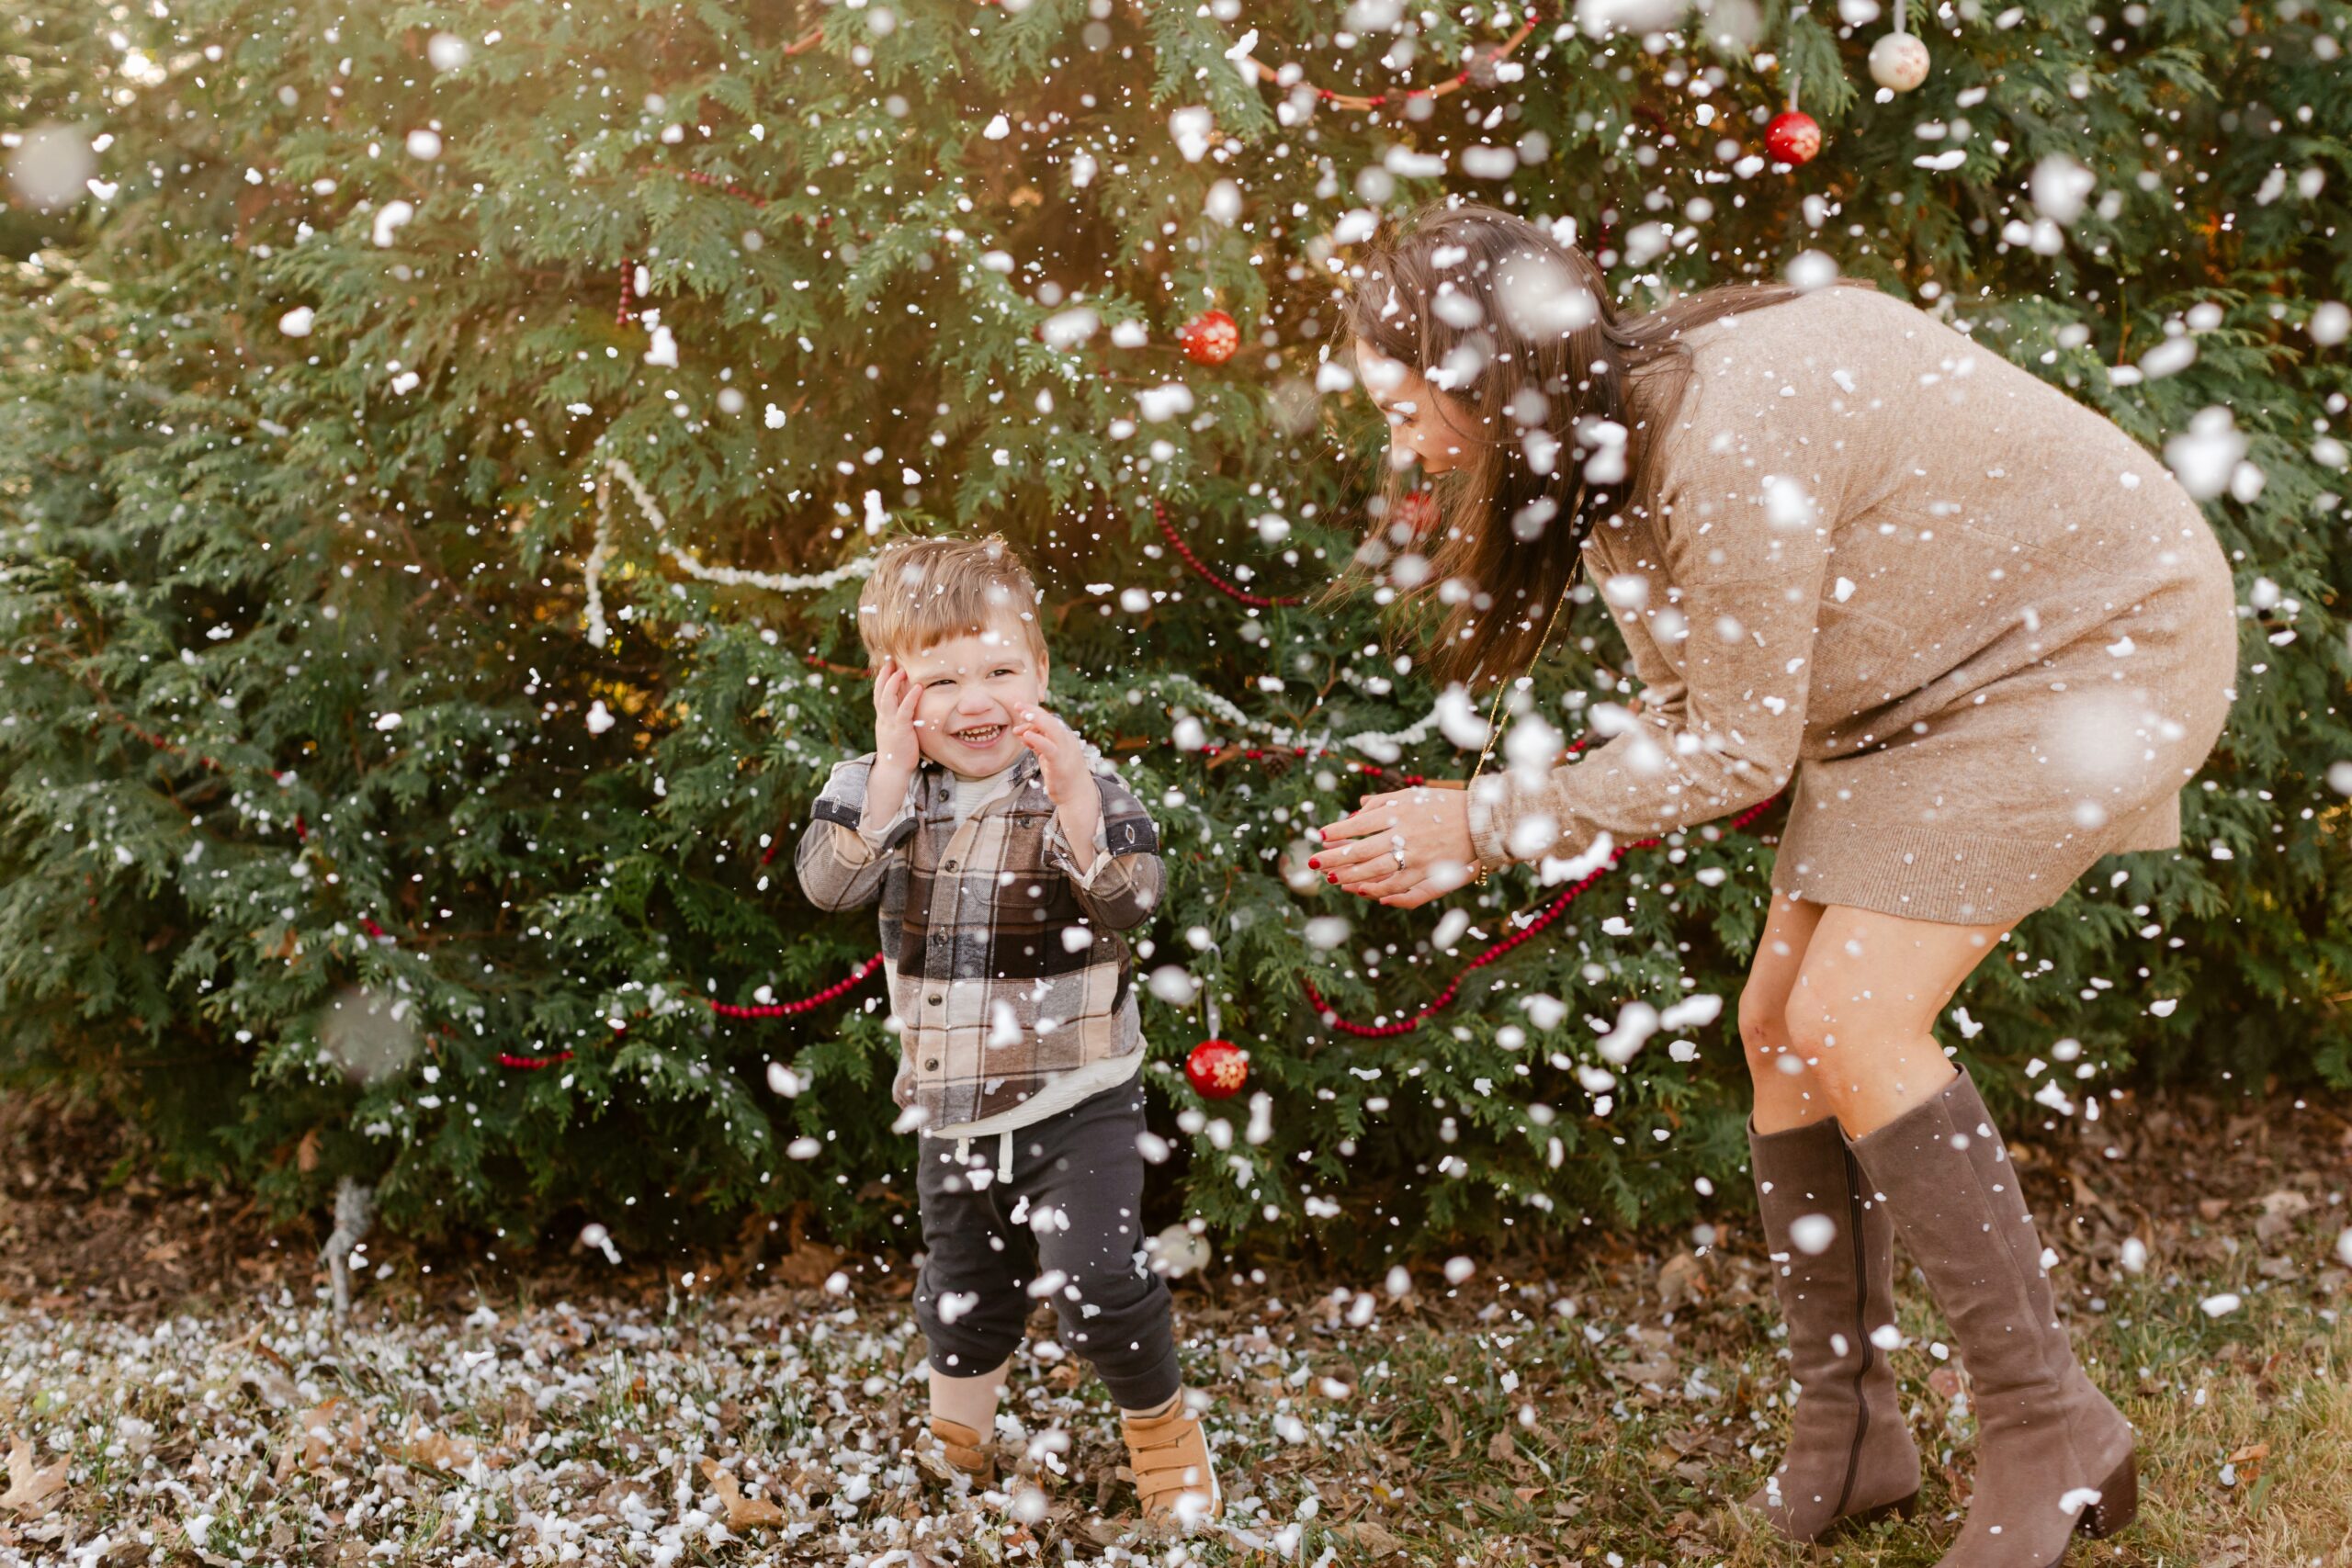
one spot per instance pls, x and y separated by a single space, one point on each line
963 1449
2052 1456
1174 1480
1850 1457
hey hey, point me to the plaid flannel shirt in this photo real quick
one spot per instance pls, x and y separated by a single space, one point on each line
1005 964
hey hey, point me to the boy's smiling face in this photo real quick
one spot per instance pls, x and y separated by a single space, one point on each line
974 688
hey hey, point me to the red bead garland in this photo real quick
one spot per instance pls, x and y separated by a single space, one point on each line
786 1010
1331 1019
833 992
1230 591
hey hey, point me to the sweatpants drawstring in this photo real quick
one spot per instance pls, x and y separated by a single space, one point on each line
1003 1157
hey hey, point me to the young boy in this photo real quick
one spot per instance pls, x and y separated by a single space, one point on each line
1006 868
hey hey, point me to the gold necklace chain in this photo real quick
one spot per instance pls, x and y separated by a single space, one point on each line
1494 713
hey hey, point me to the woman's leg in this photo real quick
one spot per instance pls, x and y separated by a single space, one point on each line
1784 1093
1861 1015
1849 1454
2053 1455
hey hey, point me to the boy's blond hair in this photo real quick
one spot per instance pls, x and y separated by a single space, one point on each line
924 592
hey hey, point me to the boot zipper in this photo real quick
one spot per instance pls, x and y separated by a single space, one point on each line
1862 1328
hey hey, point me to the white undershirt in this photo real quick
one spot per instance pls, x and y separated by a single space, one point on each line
973 793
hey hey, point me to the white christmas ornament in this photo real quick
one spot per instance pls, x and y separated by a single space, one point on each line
1179 1252
1898 63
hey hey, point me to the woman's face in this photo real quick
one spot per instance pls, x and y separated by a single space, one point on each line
1425 426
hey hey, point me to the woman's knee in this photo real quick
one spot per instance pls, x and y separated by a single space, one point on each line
1764 1031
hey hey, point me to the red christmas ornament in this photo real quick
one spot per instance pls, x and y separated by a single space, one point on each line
1218 1069
1793 137
1418 513
1209 338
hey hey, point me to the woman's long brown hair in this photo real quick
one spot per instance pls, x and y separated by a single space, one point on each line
1517 326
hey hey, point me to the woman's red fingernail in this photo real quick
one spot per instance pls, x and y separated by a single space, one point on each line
1330 877
1313 864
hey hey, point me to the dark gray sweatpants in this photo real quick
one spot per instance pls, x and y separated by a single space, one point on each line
1070 1219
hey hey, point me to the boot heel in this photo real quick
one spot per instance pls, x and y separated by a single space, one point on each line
1901 1508
2118 1505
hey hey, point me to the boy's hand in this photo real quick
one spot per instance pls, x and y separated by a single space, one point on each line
1062 756
895 698
1062 764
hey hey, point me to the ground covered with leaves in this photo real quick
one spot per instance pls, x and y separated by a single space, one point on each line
173 1389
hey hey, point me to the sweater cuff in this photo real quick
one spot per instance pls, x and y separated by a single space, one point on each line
1491 815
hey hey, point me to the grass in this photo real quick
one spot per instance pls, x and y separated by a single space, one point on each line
1600 1417
1524 1423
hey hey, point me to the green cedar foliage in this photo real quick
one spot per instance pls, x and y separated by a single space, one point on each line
299 691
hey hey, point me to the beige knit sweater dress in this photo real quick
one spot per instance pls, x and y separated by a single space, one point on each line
1987 635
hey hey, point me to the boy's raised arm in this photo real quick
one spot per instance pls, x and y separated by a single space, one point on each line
840 859
1121 883
864 811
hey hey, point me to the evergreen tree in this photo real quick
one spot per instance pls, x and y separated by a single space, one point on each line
346 834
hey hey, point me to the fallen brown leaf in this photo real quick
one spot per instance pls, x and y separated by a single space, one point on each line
29 1487
1681 1279
1375 1539
742 1513
316 1436
437 1450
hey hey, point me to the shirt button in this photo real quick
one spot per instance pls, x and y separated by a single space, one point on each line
951 866
934 1001
931 1066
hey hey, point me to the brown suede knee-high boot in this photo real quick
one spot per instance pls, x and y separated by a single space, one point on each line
1849 1455
2052 1456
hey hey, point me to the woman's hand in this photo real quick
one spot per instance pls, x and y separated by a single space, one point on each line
1404 847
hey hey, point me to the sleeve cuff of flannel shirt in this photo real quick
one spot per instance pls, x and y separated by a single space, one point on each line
875 840
1058 846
